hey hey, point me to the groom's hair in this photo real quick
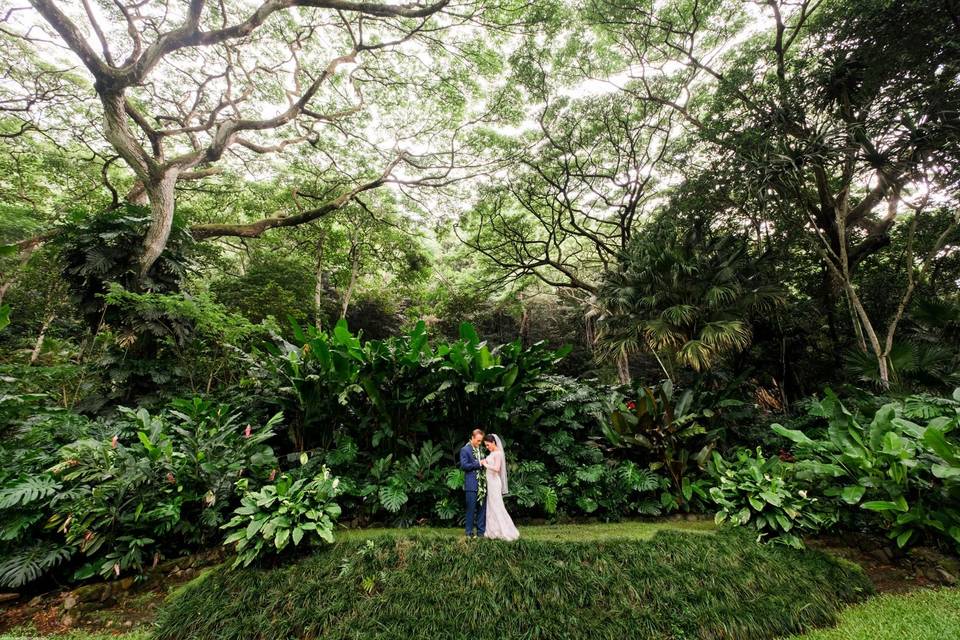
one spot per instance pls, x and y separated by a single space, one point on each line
477 432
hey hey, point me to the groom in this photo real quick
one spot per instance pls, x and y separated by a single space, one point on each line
470 462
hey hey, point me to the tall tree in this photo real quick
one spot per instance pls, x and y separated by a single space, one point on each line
183 85
842 117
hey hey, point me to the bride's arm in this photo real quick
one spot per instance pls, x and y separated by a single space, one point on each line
493 462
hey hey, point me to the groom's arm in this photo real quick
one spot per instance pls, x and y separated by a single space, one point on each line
467 461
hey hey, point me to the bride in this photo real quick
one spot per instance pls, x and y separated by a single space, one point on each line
499 524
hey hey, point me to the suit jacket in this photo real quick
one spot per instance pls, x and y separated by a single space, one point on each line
469 464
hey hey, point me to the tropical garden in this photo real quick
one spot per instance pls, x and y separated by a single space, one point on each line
265 264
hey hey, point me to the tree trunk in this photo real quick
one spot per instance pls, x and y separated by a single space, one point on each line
38 346
318 290
162 197
623 367
524 322
353 281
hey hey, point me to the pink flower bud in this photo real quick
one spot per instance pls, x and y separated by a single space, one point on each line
114 441
273 474
247 432
170 478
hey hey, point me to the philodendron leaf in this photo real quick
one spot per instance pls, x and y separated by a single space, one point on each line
852 494
937 440
943 471
792 434
883 505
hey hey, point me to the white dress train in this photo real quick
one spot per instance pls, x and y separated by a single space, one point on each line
499 524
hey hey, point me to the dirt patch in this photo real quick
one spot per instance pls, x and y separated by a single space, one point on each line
115 606
892 570
46 615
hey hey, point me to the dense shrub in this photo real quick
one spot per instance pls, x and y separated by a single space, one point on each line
282 512
886 467
764 493
895 469
394 394
108 497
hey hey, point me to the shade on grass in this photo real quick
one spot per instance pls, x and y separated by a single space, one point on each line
675 585
921 615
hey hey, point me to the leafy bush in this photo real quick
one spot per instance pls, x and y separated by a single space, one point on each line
764 494
885 470
396 393
113 496
287 510
164 343
100 249
671 430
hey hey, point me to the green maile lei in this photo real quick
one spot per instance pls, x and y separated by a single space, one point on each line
481 476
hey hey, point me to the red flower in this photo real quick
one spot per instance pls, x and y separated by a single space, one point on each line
631 405
247 432
786 456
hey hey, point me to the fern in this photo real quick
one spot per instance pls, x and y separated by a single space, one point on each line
27 564
27 491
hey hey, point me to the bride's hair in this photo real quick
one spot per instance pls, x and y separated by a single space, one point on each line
490 438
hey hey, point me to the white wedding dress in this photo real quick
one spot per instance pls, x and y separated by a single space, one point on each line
499 524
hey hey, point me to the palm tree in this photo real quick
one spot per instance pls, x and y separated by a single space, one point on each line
686 300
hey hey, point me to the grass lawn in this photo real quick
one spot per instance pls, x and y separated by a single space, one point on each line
668 579
554 532
633 580
921 615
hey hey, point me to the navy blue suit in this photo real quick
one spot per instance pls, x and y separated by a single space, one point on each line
469 464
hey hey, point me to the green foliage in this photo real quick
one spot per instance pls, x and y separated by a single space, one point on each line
111 497
896 467
172 341
272 285
689 299
405 488
393 393
104 248
762 493
284 511
671 430
416 586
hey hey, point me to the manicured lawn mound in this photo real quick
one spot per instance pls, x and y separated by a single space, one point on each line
676 585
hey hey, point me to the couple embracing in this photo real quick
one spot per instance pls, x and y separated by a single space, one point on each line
485 508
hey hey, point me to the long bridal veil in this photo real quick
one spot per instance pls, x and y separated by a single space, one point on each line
503 468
